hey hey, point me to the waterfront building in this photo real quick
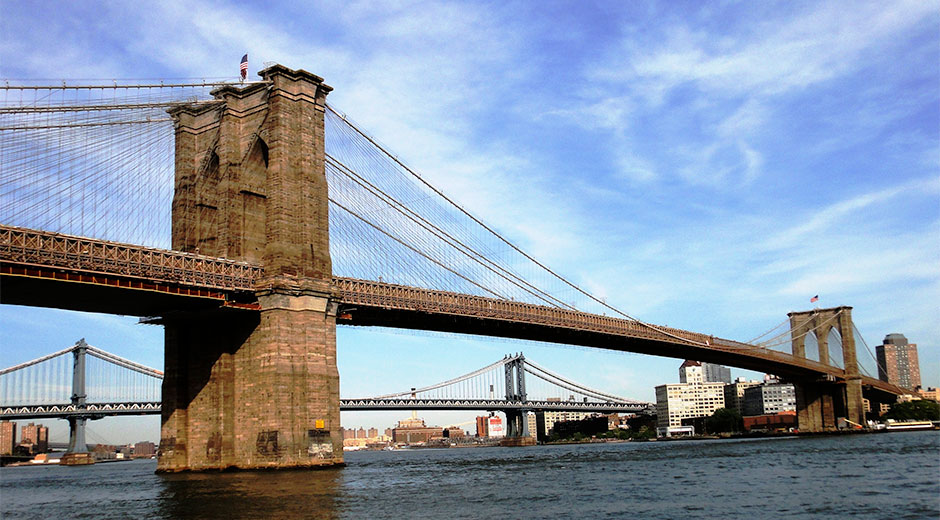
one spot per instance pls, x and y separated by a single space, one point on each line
348 434
388 432
734 393
930 393
7 437
454 432
551 418
35 437
144 449
414 431
546 420
693 397
769 398
361 433
897 361
532 424
483 426
373 433
773 422
675 402
494 426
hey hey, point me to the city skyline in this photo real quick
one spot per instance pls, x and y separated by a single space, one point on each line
709 168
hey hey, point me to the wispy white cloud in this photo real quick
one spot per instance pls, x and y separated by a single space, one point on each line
737 82
838 213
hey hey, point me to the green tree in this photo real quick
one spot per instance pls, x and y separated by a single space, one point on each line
920 410
725 420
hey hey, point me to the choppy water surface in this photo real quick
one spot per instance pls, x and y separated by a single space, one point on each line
868 476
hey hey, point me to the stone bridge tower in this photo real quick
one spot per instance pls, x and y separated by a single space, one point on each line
258 389
819 402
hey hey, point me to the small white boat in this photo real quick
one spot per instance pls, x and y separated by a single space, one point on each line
908 425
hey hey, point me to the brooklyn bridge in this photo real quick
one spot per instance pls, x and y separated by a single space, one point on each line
276 220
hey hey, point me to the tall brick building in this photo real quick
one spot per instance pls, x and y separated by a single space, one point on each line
36 436
897 361
7 437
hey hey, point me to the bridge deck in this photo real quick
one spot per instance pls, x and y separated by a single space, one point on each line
55 270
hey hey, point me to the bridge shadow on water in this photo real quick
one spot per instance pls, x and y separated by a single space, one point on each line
250 494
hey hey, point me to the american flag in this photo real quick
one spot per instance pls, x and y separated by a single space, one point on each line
244 66
814 299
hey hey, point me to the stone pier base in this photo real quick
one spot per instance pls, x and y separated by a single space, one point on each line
77 459
255 391
516 442
819 404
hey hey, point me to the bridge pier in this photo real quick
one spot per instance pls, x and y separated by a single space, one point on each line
77 452
257 390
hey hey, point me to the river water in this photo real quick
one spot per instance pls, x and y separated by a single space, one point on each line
889 476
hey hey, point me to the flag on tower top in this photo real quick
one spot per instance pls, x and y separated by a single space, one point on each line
814 299
244 67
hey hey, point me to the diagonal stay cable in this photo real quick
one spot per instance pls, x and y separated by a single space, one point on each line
413 249
447 237
500 237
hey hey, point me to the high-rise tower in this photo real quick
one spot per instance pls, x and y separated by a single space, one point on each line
897 361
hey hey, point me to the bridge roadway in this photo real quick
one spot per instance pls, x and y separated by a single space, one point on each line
40 268
99 410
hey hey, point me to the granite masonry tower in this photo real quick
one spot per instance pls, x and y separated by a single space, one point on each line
820 402
255 389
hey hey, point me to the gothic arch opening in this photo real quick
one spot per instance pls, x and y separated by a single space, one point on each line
835 348
812 346
254 178
207 232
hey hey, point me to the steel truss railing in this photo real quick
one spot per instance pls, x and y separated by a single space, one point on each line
69 410
44 249
378 294
487 404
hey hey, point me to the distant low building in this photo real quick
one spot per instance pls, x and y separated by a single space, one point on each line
144 449
930 393
586 427
454 432
771 422
546 420
414 431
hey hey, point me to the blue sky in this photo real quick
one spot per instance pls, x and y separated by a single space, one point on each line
709 167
